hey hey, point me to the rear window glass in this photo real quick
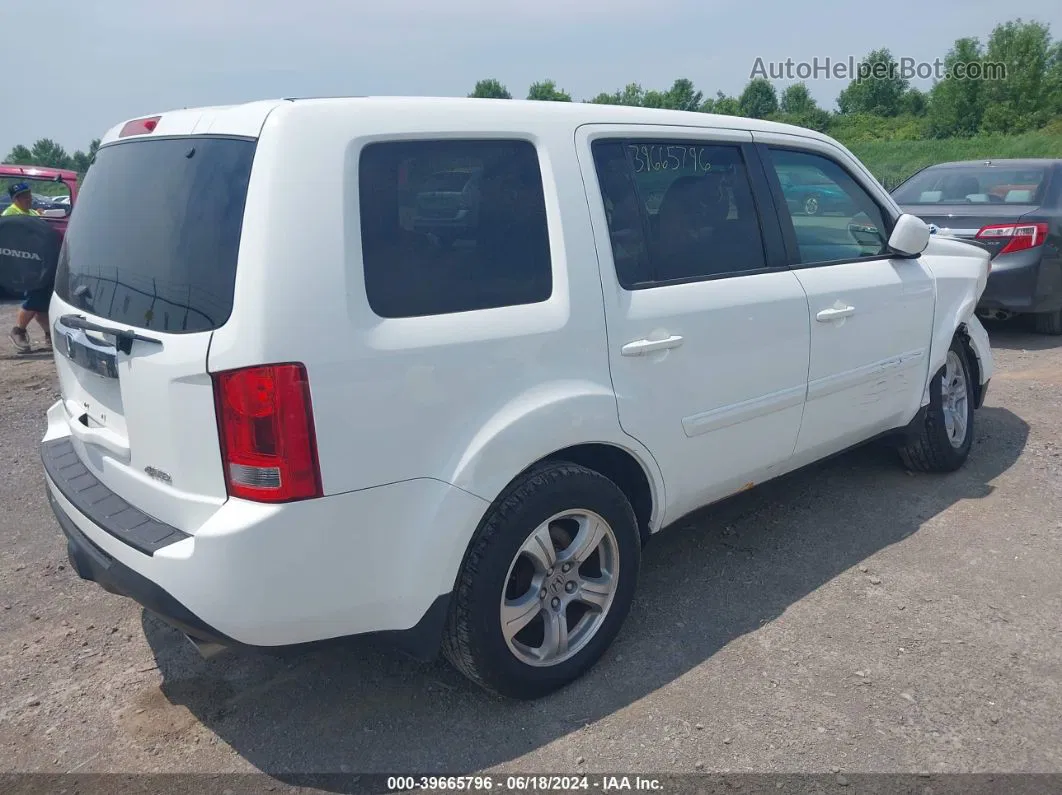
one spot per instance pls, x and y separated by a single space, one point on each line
154 241
48 194
452 226
974 185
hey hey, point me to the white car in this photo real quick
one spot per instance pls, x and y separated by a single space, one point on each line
281 427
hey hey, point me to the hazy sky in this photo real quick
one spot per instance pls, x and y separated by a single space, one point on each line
114 59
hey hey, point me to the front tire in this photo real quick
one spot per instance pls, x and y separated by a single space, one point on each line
546 584
1049 322
947 432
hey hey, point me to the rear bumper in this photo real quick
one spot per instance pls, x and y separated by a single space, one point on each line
1026 281
102 506
92 563
380 561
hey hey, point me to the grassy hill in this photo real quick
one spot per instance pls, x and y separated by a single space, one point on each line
893 161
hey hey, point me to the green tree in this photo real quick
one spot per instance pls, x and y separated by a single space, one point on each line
490 89
683 96
632 94
956 106
759 99
878 89
654 99
82 160
46 152
20 156
796 100
1022 101
815 119
798 107
547 90
914 102
1054 81
723 105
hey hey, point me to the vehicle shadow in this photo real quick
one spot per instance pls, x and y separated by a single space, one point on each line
1019 334
706 581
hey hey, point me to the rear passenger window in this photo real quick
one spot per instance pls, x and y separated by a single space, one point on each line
678 211
452 226
833 217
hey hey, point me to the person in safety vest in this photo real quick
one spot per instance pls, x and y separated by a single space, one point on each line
35 302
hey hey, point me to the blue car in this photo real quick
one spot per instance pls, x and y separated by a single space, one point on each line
808 195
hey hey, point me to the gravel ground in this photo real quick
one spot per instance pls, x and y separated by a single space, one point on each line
851 617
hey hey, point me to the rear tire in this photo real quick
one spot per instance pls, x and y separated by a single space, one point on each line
556 561
1049 322
947 433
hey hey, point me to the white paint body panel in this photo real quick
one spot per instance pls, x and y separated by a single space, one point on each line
868 369
711 433
272 575
422 422
157 415
953 265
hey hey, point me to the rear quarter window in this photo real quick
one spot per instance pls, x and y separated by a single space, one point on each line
452 226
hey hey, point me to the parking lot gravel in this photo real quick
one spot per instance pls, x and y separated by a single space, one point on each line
850 618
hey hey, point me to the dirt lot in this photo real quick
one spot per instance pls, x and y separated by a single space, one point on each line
850 617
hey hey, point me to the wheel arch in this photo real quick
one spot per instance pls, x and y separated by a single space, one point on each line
573 421
955 320
624 469
973 361
976 358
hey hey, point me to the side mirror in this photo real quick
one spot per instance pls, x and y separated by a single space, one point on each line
910 236
55 212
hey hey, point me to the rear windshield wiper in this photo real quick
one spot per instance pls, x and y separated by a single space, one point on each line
123 337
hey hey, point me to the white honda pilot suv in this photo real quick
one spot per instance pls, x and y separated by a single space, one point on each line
295 408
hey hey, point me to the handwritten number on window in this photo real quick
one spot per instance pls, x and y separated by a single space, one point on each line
648 158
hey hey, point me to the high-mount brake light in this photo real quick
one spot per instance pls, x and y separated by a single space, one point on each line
1019 237
139 126
265 425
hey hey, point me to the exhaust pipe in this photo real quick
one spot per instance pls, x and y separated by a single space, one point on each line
207 649
995 314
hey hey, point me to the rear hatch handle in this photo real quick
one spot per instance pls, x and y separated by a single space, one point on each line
123 338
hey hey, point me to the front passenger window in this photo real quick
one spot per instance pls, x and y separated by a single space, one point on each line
833 217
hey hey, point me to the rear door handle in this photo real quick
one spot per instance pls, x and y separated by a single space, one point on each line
642 347
834 313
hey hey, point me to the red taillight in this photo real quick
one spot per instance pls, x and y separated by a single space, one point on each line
139 126
265 423
1019 236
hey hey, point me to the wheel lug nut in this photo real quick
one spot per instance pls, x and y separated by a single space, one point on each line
555 603
542 594
549 572
569 586
566 567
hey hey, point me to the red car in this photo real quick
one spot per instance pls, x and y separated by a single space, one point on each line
54 193
55 205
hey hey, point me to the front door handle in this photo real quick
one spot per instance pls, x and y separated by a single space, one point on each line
835 313
642 347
